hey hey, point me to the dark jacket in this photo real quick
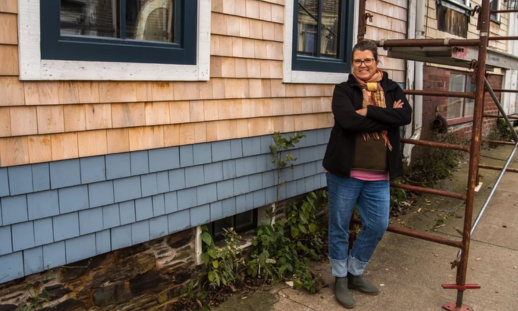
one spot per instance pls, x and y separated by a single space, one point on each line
347 98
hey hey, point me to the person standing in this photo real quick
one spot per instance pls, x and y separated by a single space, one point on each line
362 154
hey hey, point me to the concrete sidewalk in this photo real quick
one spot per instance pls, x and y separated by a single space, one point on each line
410 271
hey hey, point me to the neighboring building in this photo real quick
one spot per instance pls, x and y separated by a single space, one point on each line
120 137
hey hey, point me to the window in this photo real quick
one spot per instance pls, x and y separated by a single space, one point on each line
460 109
318 40
495 6
241 223
114 39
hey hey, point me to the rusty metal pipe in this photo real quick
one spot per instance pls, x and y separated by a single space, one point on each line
440 93
362 21
435 144
498 142
503 38
499 116
505 91
427 42
429 190
498 168
504 11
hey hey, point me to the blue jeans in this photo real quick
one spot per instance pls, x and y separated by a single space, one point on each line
373 200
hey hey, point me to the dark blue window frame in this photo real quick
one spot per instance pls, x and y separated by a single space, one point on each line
321 64
82 48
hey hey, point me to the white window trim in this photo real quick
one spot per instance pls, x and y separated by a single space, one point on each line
32 67
295 76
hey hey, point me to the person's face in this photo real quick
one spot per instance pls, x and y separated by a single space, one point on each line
366 69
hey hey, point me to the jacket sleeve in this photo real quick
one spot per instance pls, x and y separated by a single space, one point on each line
389 115
345 114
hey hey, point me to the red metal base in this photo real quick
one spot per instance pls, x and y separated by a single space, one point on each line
451 306
460 287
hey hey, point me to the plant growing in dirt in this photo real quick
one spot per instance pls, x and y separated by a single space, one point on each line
499 132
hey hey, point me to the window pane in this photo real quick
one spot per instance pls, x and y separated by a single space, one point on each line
455 104
219 225
307 27
96 18
244 220
329 31
470 103
150 20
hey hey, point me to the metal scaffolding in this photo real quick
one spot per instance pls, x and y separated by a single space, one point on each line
476 56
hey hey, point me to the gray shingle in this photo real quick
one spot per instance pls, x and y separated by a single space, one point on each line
298 172
321 136
11 266
171 203
127 189
101 193
244 203
206 194
327 133
140 232
43 204
158 227
301 186
311 138
144 208
229 169
118 165
225 189
194 176
291 189
6 245
121 237
296 155
216 211
54 255
164 159
102 242
241 185
162 179
213 172
176 179
266 142
23 236
139 162
302 142
149 184
65 173
186 198
271 195
249 166
4 182
310 169
200 215
14 209
43 232
158 205
251 146
270 179
323 180
20 179
73 199
309 183
127 212
221 150
255 182
263 164
93 169
202 153
65 226
305 155
80 248
40 177
33 260
90 220
179 221
283 193
236 148
259 198
186 156
286 175
229 207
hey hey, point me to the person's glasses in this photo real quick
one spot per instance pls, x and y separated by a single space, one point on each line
359 62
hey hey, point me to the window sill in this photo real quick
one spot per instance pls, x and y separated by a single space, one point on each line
461 8
457 121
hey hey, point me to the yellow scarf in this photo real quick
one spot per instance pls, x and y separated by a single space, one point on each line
373 95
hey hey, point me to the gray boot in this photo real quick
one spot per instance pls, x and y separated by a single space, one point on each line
359 283
342 293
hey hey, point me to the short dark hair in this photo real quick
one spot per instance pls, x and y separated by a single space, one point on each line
366 46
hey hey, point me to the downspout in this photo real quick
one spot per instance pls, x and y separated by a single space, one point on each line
418 77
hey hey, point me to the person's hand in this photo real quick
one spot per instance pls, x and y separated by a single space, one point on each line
362 111
398 104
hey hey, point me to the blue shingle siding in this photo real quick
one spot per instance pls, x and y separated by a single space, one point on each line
93 169
221 150
200 215
225 189
73 199
176 179
11 267
236 148
101 193
164 159
6 246
266 142
140 232
301 186
298 172
310 169
171 203
118 165
259 198
241 185
20 179
139 163
14 209
80 248
43 231
127 189
186 198
102 242
255 182
206 194
111 217
269 179
194 176
202 153
33 260
229 169
229 207
291 189
213 172
251 146
4 182
121 237
43 204
23 236
216 211
296 155
186 156
158 227
91 220
149 184
244 203
162 180
65 174
179 221
158 205
270 194
40 177
127 212
144 208
65 226
54 255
